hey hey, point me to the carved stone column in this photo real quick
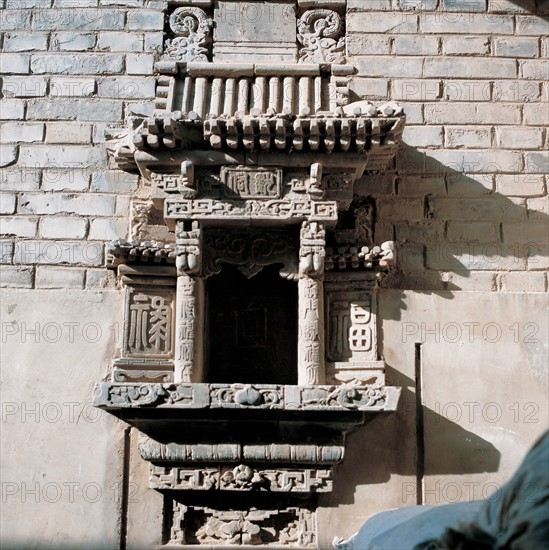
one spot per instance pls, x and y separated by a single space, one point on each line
310 346
189 311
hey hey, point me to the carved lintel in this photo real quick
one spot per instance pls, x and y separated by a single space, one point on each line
241 478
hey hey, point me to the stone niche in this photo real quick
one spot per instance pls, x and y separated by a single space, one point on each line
251 334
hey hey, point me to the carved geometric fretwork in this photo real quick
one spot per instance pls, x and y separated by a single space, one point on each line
318 30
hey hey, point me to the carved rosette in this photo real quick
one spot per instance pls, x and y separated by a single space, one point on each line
318 32
191 27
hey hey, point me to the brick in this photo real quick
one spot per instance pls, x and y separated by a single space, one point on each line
521 281
14 63
416 5
535 115
467 90
465 23
469 67
58 253
6 252
14 132
390 66
471 161
62 86
467 7
123 205
399 209
457 136
20 179
472 209
15 20
519 138
125 87
471 231
512 46
140 109
25 42
28 3
470 45
63 227
414 112
75 109
375 184
421 185
525 232
8 155
55 277
538 209
387 23
423 136
100 278
63 132
120 42
145 20
24 86
520 185
416 89
65 180
57 203
469 184
74 42
360 5
411 256
474 256
96 64
20 226
75 3
531 25
536 162
113 181
108 229
416 45
140 63
471 113
420 232
154 42
367 88
517 91
368 44
459 279
81 19
510 6
62 156
12 109
7 203
15 277
537 69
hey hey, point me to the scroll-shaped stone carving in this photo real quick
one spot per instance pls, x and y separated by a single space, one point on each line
191 27
141 211
318 32
292 527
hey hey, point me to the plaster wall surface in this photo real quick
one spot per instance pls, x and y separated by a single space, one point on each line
465 202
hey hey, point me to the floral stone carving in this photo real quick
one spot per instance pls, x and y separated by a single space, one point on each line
191 27
318 32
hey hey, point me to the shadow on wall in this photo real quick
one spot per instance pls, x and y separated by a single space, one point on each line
466 226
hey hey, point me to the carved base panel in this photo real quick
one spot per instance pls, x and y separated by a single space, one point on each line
241 478
288 527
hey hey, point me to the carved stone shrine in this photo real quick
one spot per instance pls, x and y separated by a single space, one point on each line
250 331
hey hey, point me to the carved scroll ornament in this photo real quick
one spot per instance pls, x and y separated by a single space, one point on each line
317 32
191 27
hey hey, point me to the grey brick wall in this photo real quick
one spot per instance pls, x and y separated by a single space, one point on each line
467 198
